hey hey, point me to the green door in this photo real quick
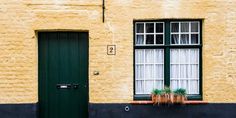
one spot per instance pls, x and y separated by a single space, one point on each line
63 75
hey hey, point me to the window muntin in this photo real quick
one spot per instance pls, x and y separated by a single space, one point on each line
185 33
149 33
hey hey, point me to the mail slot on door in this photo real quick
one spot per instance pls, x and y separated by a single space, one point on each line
63 86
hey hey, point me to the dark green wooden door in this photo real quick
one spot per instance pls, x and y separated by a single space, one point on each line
63 75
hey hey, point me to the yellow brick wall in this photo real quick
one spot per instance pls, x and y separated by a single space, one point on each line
21 19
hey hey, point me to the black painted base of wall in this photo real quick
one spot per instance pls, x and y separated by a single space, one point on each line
135 111
18 110
162 111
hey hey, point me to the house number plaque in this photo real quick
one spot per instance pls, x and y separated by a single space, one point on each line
111 49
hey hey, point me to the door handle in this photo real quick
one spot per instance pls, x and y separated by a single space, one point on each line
63 86
75 86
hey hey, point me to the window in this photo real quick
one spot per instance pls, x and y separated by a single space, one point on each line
167 53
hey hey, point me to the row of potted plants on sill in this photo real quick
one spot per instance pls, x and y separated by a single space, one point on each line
167 96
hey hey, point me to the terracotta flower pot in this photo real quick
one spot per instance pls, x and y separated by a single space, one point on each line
171 98
154 98
178 99
158 99
168 98
161 99
183 98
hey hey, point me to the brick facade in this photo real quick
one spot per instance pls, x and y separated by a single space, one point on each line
21 20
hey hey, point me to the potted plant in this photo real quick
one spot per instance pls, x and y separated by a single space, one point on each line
156 96
180 95
168 95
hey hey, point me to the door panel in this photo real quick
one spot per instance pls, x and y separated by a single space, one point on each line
63 60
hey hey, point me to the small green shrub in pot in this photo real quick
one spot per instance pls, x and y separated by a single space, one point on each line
156 96
180 95
167 95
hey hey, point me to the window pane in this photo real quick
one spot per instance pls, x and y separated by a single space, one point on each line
149 27
174 56
184 27
159 39
139 86
149 56
140 28
194 87
184 39
149 71
174 39
174 84
194 58
159 27
149 86
174 27
159 84
189 33
139 71
194 38
174 71
194 71
184 70
184 85
184 56
159 71
159 56
194 27
150 39
139 56
140 39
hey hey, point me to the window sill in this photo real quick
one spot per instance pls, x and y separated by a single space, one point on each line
147 97
141 102
188 102
192 102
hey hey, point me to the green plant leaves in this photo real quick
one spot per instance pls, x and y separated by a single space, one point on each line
167 90
180 91
157 92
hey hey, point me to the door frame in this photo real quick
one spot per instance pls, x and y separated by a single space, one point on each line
37 50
